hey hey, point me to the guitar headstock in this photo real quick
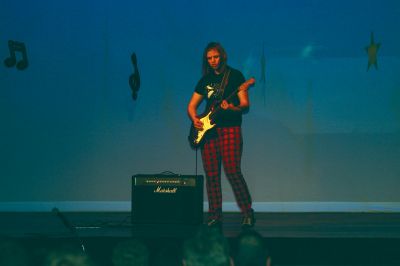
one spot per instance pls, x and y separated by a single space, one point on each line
246 85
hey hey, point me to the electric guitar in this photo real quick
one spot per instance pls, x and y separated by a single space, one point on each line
196 136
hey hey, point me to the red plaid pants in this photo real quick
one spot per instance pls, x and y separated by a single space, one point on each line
226 147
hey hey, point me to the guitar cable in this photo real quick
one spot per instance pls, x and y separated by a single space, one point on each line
196 163
69 226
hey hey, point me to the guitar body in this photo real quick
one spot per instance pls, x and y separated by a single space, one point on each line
196 136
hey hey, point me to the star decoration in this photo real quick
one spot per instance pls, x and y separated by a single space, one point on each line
372 51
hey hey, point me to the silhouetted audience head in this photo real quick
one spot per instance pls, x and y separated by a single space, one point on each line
68 255
168 255
251 250
13 253
207 248
130 252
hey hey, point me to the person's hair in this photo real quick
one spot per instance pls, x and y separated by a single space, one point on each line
250 249
207 248
130 252
67 255
223 57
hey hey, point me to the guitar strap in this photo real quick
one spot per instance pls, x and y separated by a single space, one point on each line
224 81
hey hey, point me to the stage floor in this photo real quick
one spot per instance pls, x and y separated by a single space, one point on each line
270 225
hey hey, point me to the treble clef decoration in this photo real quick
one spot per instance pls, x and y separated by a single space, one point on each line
134 79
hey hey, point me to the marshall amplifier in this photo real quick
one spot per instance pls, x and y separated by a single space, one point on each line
167 199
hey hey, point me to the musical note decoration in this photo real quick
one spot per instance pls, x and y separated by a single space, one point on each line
134 79
14 47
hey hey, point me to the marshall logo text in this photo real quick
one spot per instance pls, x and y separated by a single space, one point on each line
160 189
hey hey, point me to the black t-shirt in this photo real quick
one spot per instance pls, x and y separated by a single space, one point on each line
210 87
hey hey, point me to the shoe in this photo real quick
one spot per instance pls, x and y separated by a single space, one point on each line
214 223
248 221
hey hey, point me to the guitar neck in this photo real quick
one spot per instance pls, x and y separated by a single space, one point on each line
218 107
244 86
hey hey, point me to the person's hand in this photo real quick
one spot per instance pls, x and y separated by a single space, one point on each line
228 106
225 105
197 123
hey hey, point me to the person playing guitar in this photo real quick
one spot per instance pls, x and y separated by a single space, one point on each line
218 131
